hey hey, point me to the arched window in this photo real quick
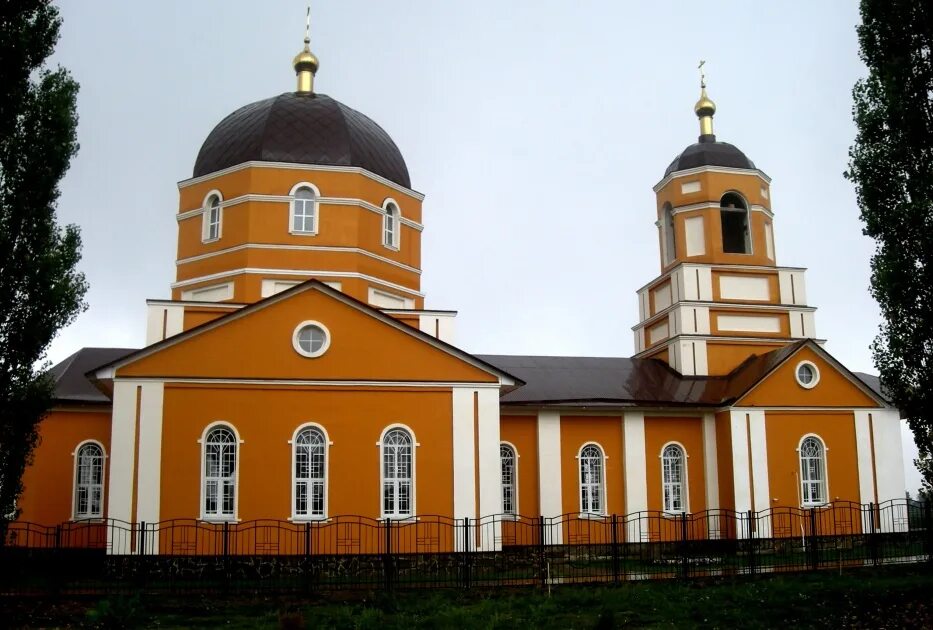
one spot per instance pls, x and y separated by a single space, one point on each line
310 466
304 211
733 215
89 481
509 481
674 478
390 225
397 474
592 490
211 221
220 465
812 471
670 246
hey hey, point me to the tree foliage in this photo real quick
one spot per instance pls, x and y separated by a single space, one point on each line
40 288
891 164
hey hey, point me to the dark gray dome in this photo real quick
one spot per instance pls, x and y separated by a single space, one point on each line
301 128
709 153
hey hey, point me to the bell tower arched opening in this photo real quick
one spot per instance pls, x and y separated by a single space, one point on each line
733 216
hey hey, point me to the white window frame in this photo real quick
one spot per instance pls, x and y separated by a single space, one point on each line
600 485
824 483
297 346
396 515
391 234
207 221
219 516
684 483
315 209
816 374
76 455
310 426
514 511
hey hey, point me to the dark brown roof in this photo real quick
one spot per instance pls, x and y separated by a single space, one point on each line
708 152
302 128
591 382
71 384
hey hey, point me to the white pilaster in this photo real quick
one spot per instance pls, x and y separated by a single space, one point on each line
122 447
710 461
463 454
741 482
549 473
759 447
889 467
150 452
636 472
490 468
866 474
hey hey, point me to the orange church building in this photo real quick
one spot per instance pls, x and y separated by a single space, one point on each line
296 374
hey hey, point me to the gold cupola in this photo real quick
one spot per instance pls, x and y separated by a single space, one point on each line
305 62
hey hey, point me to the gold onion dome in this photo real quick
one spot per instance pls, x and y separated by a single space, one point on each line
705 106
306 65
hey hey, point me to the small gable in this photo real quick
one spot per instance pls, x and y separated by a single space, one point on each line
833 386
258 343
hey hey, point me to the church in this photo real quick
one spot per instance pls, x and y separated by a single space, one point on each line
296 374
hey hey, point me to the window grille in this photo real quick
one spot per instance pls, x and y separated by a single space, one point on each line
390 226
213 219
310 471
812 471
397 479
89 482
672 465
591 480
220 458
507 457
304 214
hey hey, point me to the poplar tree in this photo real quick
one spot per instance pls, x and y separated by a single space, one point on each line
891 165
40 289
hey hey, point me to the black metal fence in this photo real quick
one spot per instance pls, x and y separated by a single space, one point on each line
353 552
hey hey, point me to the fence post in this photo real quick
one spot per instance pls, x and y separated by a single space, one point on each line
387 556
142 538
542 552
615 548
752 518
814 546
683 545
467 559
872 534
307 539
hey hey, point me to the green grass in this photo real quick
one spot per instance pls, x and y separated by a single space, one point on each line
896 597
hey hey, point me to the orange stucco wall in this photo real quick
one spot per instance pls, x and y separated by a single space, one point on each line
784 430
266 419
264 221
782 390
259 345
522 433
48 483
689 433
722 356
606 431
712 187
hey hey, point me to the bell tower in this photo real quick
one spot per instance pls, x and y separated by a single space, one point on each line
721 296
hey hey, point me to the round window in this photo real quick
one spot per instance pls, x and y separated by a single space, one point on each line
311 339
807 374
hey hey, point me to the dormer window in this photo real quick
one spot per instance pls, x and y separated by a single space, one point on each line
390 225
733 214
303 215
210 225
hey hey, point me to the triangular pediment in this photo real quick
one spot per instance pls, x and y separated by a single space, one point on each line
835 386
257 343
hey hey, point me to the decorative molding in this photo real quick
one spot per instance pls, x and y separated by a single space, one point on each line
712 205
314 248
715 267
294 272
710 169
185 183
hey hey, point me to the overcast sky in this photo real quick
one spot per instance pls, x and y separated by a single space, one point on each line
535 128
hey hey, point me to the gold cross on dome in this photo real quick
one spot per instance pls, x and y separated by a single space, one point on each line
308 25
702 76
